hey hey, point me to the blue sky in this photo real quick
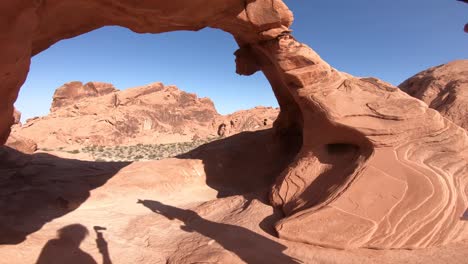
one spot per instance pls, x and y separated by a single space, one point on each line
391 40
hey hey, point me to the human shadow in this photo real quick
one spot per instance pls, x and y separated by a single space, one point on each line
35 189
247 162
249 246
101 243
66 247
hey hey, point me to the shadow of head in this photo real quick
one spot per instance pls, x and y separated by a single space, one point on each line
73 234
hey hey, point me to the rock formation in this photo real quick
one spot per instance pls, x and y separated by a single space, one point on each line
360 135
376 168
74 91
17 142
17 117
21 144
247 120
150 114
444 88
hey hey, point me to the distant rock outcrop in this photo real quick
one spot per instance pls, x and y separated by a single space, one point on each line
247 120
149 114
444 88
74 91
17 117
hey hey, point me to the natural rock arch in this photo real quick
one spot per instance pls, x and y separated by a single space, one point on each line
377 168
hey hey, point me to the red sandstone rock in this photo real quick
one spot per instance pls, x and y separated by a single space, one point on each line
31 27
444 88
149 114
359 135
254 119
376 168
74 91
17 117
21 144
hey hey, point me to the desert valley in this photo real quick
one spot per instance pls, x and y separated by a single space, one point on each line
347 170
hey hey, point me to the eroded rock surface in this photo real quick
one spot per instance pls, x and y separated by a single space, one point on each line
17 142
17 117
21 144
444 88
151 114
257 118
376 168
71 92
31 27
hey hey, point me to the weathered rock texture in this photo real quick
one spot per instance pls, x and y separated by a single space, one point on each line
376 167
151 114
444 88
179 218
17 117
71 92
19 142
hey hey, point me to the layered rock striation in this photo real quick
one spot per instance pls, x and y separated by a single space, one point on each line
376 168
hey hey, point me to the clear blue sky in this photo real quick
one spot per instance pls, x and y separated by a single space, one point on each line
391 40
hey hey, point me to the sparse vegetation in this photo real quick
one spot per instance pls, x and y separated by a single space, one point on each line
141 152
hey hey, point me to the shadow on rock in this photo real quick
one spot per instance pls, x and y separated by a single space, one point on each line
246 162
35 189
249 246
66 247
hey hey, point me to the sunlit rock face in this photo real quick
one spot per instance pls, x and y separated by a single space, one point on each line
149 114
74 91
376 167
29 27
443 88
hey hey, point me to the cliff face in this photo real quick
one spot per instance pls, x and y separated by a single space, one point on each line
74 91
444 88
99 114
